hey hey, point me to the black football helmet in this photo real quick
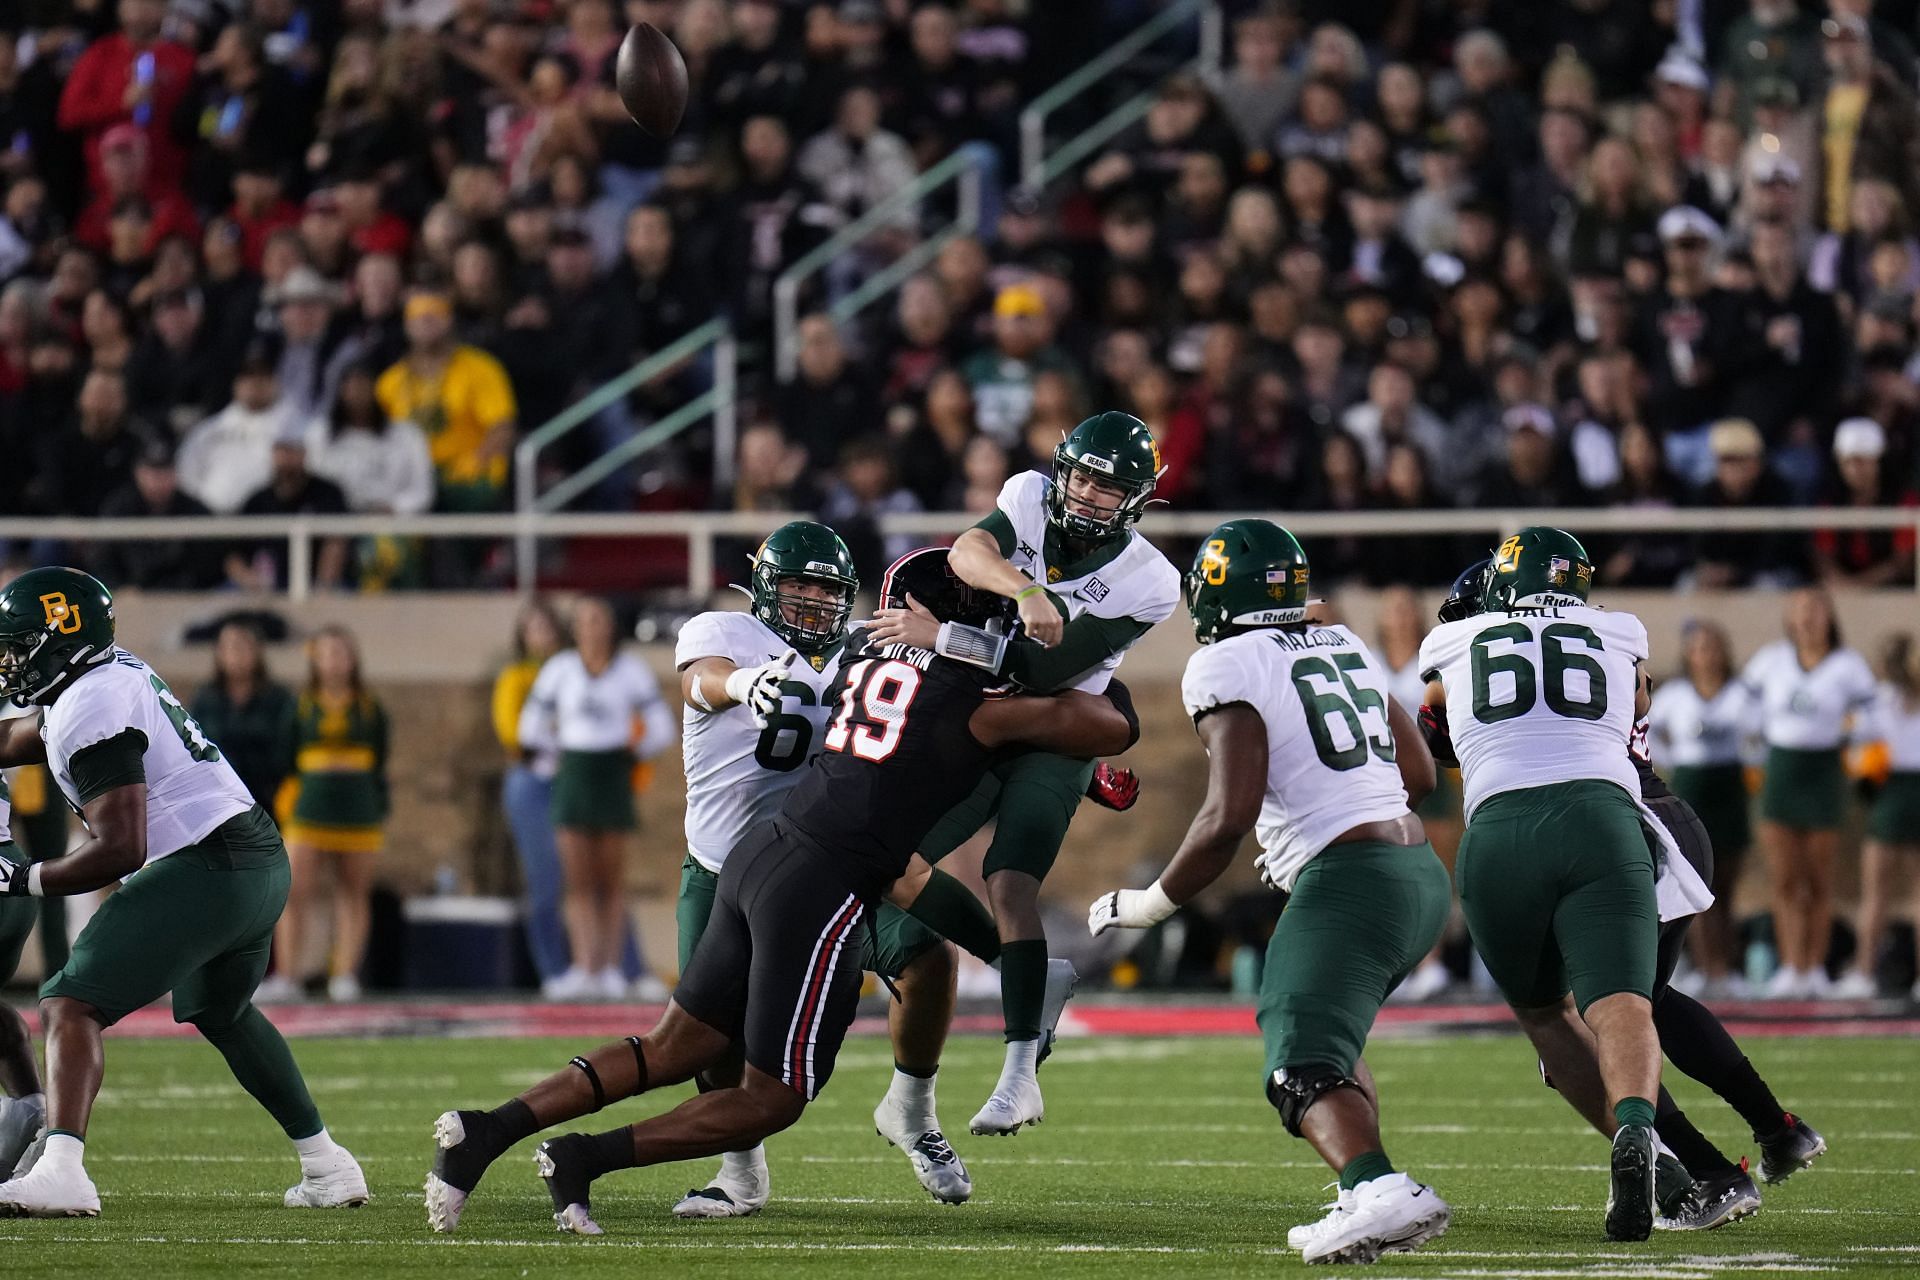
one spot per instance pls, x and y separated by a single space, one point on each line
1464 599
928 578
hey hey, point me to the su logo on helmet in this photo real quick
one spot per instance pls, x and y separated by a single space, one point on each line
61 616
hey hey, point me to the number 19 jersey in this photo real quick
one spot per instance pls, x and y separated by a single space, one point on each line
1538 696
1330 752
738 776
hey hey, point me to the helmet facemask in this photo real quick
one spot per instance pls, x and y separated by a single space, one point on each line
1109 513
808 621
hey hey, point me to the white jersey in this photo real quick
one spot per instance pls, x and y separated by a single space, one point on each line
1689 731
1895 721
738 776
1330 757
1807 710
1139 583
1539 697
571 709
191 789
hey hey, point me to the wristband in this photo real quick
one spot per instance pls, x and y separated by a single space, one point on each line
740 683
1155 902
1024 592
33 881
971 645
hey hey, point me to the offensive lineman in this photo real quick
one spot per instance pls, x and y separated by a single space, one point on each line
1302 737
754 686
1556 871
1087 585
205 877
773 970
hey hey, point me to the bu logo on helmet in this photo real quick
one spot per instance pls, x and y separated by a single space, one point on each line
61 616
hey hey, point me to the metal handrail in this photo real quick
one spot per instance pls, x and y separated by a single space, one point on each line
1035 171
961 166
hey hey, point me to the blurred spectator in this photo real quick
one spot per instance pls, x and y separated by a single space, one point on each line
856 164
526 794
864 491
1533 472
768 477
1746 557
188 564
1864 557
1689 338
1775 39
1796 379
241 105
226 459
923 343
830 401
755 73
776 216
303 305
136 77
1259 90
248 712
1869 121
460 398
260 206
125 172
82 461
1001 378
1390 415
291 490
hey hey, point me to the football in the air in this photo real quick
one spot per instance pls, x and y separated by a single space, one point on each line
652 80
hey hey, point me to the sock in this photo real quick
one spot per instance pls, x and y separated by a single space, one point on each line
512 1121
913 1093
264 1066
1365 1168
1695 1041
1632 1111
609 1151
312 1149
949 908
1023 1059
1691 1147
1023 987
63 1150
928 1074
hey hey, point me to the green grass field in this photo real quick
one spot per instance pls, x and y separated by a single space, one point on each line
1158 1156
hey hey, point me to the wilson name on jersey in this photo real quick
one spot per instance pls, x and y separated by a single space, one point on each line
1330 749
1139 583
738 776
1539 696
191 789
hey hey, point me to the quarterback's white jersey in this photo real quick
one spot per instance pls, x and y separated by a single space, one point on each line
571 709
191 789
737 775
1688 731
1139 583
1807 710
1538 696
1893 720
1330 751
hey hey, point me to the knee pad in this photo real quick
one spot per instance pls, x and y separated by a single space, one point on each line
1293 1090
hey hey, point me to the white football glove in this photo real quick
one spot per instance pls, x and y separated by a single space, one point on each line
758 688
1130 909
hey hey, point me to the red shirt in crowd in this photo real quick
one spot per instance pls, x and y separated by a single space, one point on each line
172 216
256 227
95 99
388 233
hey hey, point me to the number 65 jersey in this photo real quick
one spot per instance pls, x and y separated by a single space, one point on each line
738 776
1538 696
1330 751
119 723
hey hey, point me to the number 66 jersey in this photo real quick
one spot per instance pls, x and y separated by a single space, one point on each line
119 723
1538 696
737 775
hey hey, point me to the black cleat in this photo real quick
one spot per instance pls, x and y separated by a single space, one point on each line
1630 1199
1795 1146
465 1144
1713 1202
1671 1182
561 1162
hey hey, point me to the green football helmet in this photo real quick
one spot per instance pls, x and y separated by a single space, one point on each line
804 551
1248 573
1538 568
1115 449
55 625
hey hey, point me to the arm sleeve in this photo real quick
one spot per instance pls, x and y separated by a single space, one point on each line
996 524
536 717
1086 642
118 761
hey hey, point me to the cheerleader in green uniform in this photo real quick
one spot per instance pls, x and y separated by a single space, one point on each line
1893 825
339 812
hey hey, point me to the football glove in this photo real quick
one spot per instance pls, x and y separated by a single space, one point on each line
14 879
1130 909
1113 788
758 688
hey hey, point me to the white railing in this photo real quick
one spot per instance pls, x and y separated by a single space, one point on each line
701 529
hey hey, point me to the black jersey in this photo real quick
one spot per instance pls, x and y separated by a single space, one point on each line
1652 785
898 754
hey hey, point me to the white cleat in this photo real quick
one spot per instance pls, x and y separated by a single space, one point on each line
20 1122
47 1192
940 1171
1390 1214
733 1193
1011 1106
336 1183
1303 1235
1062 978
575 1219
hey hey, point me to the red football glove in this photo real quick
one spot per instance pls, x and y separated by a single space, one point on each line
1113 788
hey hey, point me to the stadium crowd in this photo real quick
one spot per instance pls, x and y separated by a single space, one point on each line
281 256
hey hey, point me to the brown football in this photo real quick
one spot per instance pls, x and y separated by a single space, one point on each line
652 80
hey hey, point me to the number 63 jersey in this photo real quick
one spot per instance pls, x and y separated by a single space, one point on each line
1538 696
119 723
1330 750
738 776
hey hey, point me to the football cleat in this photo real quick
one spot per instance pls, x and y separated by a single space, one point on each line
461 1157
1793 1148
1303 1235
1671 1182
1113 788
1712 1202
567 1184
50 1192
1630 1195
20 1123
713 1202
1012 1106
1389 1214
933 1159
1062 978
333 1183
739 1189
